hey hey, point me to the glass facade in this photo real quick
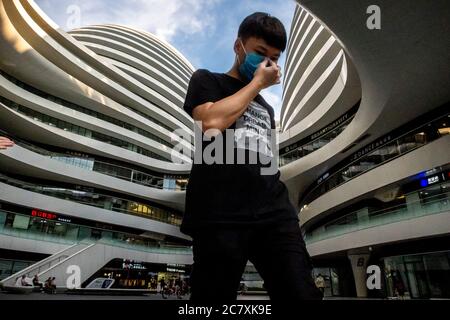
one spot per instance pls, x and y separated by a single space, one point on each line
90 197
318 140
378 153
9 267
434 199
418 276
66 126
129 274
91 112
329 281
124 172
58 231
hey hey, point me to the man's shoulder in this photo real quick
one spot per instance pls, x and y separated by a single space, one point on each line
207 78
205 73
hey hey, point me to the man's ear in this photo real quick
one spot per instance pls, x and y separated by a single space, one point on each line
237 46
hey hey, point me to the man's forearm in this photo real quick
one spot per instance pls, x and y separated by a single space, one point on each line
222 114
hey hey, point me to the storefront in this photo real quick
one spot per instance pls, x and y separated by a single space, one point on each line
419 276
329 279
129 274
55 227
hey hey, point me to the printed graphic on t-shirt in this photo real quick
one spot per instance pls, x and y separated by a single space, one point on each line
253 130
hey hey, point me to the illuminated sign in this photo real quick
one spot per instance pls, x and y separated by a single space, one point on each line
175 270
326 175
49 216
42 214
430 180
132 265
176 265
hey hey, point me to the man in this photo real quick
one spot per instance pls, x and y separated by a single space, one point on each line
5 143
237 212
320 283
22 282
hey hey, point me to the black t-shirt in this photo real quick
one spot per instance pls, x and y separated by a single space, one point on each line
234 194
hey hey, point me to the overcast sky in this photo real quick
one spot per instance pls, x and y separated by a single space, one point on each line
202 30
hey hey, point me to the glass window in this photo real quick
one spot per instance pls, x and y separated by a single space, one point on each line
21 222
438 273
6 267
19 265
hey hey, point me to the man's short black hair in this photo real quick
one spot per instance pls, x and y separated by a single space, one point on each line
264 26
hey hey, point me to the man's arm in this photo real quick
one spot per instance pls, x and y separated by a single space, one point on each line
222 114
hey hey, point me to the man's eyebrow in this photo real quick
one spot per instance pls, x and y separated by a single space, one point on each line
261 48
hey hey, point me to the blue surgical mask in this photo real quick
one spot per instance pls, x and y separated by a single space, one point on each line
248 68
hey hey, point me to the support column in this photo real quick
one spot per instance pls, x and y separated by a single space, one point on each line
413 204
363 216
359 262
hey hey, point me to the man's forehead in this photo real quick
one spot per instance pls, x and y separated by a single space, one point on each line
261 43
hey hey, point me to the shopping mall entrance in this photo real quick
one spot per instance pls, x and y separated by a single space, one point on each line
129 274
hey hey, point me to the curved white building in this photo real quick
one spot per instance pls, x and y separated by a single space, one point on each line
92 113
365 144
320 79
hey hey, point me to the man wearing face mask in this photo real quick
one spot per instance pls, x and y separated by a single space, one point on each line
234 212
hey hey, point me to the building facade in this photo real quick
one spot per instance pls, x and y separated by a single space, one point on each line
94 179
365 145
94 174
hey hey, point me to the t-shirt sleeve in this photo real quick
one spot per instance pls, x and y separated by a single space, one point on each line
272 119
203 88
273 124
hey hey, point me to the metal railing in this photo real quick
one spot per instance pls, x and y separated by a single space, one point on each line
309 147
384 153
363 219
99 200
135 176
70 240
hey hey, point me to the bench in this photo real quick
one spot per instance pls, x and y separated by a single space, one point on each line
18 290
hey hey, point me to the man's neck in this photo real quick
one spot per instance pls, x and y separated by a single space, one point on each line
234 72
